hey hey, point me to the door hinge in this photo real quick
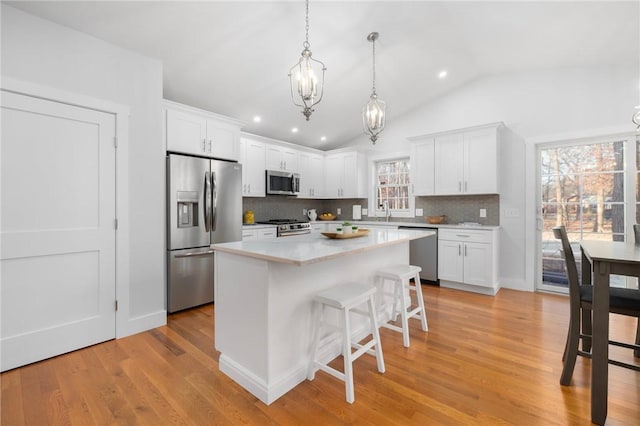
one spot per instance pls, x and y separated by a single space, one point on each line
115 224
116 305
115 141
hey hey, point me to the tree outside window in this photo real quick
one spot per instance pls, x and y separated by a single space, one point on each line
392 184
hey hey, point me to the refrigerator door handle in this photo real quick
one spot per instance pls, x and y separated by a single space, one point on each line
193 254
207 202
214 197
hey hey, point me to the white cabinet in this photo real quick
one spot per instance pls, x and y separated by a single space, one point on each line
259 234
193 131
466 162
282 158
317 228
422 164
467 259
345 175
252 158
311 169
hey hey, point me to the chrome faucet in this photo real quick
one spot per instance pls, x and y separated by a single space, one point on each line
387 213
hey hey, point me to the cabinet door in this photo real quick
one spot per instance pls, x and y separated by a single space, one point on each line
334 169
350 175
249 235
253 168
186 133
450 259
274 158
478 264
422 168
305 175
480 162
290 159
449 152
316 168
222 140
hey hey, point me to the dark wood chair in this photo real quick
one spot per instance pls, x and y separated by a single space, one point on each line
623 301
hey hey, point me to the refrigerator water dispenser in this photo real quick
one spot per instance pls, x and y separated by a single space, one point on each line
187 209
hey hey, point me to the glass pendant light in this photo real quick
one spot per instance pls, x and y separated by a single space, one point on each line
306 88
373 113
636 118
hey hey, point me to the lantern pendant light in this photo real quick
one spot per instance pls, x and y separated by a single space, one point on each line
373 113
306 89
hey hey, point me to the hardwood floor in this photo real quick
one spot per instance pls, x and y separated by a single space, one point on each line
485 360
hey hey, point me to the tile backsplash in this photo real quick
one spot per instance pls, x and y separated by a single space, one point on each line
464 208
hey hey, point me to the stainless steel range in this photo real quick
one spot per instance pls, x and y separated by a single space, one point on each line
287 227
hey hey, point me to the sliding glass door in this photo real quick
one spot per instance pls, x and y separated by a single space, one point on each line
590 187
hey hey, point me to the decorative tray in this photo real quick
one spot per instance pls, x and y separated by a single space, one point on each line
358 233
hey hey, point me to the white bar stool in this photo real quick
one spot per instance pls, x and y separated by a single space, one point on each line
400 275
345 298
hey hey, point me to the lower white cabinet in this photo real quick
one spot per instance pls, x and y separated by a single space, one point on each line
467 259
317 228
259 234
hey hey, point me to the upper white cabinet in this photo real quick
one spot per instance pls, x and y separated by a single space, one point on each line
422 163
457 162
252 158
311 169
467 163
345 175
198 132
282 158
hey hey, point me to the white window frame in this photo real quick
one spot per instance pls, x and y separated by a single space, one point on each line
374 211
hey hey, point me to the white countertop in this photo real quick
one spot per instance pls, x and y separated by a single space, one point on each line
311 248
413 224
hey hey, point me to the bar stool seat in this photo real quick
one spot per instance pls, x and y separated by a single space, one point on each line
401 276
345 298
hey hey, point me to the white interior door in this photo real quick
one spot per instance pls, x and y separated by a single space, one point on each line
57 254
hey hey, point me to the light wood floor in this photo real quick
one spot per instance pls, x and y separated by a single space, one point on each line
485 360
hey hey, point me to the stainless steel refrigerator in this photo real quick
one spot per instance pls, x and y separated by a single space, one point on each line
204 206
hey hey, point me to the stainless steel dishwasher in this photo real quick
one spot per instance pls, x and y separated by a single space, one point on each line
423 252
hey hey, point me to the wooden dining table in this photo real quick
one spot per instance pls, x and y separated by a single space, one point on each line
600 259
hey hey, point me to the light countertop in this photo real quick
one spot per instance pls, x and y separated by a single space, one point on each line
412 224
311 248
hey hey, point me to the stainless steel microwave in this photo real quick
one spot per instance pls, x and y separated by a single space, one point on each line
282 183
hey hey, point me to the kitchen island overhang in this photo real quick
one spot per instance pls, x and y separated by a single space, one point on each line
264 292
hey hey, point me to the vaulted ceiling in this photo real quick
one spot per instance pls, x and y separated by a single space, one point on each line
232 57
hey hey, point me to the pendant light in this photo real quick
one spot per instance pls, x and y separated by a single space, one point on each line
373 113
306 89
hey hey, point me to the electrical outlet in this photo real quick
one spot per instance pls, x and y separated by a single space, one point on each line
483 212
365 212
419 212
339 211
304 212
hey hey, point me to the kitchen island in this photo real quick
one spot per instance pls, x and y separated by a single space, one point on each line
263 299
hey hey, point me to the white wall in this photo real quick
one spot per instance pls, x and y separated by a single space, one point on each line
538 106
47 54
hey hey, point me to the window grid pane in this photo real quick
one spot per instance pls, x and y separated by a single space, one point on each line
393 182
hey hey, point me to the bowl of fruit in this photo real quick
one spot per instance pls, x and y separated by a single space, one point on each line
326 216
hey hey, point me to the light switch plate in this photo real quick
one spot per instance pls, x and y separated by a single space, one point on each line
419 212
483 212
365 212
339 211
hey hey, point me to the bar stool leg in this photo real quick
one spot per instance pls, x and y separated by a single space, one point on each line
403 311
348 361
317 325
376 334
423 312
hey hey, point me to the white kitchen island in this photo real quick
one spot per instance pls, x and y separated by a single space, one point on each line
263 300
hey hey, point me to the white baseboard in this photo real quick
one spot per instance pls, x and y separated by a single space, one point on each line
142 323
490 291
516 284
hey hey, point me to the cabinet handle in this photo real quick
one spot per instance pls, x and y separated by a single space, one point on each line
459 186
204 145
249 188
459 250
210 145
465 250
462 235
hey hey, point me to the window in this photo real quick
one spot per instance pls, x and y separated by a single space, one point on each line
582 186
392 185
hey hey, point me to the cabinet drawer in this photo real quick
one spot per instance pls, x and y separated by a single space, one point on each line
267 234
249 235
470 235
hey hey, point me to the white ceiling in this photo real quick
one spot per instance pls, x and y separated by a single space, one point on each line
233 57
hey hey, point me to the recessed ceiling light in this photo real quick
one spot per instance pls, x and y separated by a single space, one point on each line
442 74
324 138
294 130
257 119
